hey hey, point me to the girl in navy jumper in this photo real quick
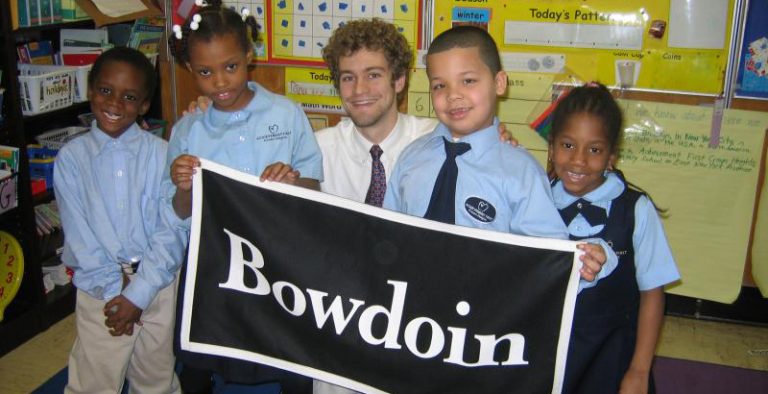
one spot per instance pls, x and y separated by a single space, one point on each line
616 323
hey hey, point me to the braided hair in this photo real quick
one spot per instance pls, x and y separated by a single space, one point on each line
213 20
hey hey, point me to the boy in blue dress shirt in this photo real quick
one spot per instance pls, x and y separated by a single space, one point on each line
477 181
123 250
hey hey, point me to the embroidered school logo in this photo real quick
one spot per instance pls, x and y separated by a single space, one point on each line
480 209
275 134
618 252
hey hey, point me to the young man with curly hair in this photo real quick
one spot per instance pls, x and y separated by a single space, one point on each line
369 61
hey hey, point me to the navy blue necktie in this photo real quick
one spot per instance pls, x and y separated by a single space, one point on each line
378 186
442 204
594 215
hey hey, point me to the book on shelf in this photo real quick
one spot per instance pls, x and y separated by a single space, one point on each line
18 19
70 11
82 46
8 197
35 52
146 34
33 12
9 165
9 158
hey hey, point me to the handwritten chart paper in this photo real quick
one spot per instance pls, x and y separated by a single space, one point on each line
709 193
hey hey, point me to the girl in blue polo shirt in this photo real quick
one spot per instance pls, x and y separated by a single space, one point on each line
617 322
248 128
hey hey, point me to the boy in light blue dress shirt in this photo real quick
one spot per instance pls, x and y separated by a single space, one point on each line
497 187
121 246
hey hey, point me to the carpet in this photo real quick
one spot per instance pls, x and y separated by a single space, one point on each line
56 384
672 376
675 376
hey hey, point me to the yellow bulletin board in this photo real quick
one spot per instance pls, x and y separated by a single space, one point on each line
299 29
664 45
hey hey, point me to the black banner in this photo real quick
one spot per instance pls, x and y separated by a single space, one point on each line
371 299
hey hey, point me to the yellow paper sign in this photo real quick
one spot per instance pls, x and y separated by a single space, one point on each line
313 89
709 193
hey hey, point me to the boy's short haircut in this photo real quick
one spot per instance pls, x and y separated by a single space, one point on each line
466 36
373 35
132 57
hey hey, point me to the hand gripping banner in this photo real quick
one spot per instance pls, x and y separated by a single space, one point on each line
371 299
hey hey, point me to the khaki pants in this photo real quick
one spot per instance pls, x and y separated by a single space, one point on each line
100 363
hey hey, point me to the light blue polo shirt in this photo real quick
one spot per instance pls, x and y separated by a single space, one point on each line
271 128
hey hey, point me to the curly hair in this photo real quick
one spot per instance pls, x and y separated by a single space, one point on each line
215 21
371 34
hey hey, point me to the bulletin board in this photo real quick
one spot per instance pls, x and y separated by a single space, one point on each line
651 44
299 29
752 79
258 9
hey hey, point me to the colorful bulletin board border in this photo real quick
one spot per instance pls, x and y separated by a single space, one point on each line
752 80
299 29
651 44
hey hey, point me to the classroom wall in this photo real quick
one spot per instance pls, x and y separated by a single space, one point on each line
517 110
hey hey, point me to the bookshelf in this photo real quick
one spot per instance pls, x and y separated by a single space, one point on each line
24 315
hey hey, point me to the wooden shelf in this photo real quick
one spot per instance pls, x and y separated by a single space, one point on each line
86 23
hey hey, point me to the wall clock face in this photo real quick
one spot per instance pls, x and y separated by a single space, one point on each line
11 269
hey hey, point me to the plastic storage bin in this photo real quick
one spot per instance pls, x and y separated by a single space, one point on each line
55 139
41 163
45 88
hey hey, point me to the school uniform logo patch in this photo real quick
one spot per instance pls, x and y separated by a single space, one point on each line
274 134
480 209
618 252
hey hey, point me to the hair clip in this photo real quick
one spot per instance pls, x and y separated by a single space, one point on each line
592 84
177 31
195 24
245 12
200 3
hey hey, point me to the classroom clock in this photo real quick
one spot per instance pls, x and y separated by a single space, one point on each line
11 269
